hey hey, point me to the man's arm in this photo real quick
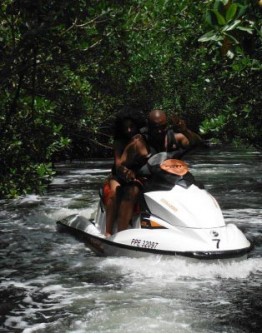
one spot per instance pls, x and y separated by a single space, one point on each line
194 138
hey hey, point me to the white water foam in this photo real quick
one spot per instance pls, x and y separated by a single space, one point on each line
144 295
64 212
27 201
168 270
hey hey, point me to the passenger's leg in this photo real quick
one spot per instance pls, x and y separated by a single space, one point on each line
126 207
111 207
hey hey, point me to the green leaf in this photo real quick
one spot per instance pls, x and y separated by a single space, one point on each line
211 18
248 30
219 6
232 38
220 18
231 26
231 12
210 36
241 10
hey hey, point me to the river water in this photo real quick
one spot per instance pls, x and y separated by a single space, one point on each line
50 282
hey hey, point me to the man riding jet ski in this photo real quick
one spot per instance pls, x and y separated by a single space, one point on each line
177 217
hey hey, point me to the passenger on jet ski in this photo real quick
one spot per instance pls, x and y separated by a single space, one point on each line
127 125
154 139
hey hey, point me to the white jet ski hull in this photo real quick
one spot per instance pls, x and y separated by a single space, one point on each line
146 242
177 219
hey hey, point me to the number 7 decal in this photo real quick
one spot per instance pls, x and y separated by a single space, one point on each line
217 241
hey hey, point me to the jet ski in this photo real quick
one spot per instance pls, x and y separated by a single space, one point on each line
177 217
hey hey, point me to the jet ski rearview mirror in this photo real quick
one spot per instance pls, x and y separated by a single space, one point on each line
157 159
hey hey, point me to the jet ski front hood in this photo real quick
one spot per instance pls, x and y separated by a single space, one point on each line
188 208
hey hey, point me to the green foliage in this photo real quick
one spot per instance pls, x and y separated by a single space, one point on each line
66 68
226 18
16 181
236 34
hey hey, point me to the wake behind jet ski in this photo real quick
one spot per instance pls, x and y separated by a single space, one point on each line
177 217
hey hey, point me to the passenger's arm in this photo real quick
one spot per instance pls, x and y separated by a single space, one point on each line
123 172
118 148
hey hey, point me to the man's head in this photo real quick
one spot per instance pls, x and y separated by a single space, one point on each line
157 121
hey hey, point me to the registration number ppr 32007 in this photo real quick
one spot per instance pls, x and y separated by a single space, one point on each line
144 243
